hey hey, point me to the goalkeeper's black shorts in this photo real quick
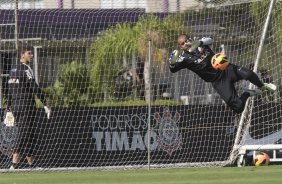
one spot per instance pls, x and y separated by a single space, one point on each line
225 86
24 111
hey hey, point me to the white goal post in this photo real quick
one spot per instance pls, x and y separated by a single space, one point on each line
103 67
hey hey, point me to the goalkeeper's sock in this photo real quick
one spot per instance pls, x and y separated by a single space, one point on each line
29 160
251 92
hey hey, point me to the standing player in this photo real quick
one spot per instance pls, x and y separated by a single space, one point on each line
196 56
22 91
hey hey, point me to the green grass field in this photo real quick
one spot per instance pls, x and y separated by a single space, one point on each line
226 175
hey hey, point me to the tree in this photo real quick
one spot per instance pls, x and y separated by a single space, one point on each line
107 54
71 87
124 40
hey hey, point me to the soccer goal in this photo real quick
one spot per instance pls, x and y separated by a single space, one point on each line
103 66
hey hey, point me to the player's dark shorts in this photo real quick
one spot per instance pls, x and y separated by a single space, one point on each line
224 85
24 111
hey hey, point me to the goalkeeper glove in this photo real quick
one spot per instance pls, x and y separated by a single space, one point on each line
174 56
194 45
47 111
9 119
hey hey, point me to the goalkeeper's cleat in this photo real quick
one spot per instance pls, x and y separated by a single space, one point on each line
269 87
252 92
13 167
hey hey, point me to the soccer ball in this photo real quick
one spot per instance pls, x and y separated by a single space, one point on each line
219 62
261 159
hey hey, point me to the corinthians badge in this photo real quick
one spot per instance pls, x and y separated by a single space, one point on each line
169 137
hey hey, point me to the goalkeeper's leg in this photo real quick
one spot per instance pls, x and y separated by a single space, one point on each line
29 151
30 141
18 141
244 73
29 159
225 88
15 160
247 74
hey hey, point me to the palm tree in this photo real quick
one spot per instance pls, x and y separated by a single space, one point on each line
161 34
124 40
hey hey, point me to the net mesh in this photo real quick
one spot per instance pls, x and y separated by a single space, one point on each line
103 68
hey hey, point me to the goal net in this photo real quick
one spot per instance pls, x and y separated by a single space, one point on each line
103 66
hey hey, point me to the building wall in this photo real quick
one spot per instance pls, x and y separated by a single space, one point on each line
171 5
84 4
149 5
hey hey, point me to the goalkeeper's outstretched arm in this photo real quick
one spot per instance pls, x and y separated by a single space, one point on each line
193 45
206 41
176 62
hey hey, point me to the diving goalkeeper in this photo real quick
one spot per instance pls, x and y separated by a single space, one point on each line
21 103
196 56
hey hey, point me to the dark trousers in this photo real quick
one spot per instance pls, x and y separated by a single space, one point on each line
225 86
24 111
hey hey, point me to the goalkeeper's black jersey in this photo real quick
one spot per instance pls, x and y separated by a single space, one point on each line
22 84
200 63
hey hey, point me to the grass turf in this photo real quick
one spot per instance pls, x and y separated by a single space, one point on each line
226 175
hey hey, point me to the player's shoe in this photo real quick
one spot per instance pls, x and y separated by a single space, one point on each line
269 87
252 92
13 167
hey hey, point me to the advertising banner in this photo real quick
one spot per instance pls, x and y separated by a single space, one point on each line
114 136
